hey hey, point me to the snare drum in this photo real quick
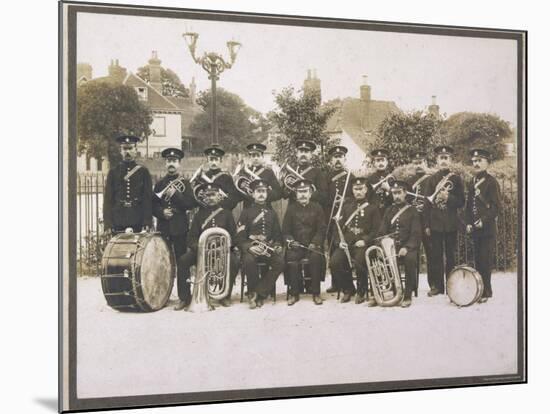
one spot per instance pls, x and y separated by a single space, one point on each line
464 286
138 271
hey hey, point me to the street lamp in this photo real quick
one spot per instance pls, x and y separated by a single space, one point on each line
213 64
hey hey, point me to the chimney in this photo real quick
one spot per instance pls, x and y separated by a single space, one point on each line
116 73
364 90
434 107
84 69
154 71
312 84
193 90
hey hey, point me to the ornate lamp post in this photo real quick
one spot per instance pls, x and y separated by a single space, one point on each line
213 64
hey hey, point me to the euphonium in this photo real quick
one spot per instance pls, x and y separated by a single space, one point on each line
212 276
242 177
289 177
384 273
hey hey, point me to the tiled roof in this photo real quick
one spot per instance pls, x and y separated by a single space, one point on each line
154 98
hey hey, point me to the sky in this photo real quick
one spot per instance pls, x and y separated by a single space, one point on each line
466 74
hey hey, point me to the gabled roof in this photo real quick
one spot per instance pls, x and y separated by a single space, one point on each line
155 99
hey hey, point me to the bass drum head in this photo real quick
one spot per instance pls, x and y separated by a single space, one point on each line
156 273
464 286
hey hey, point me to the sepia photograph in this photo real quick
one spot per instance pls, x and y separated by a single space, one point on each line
266 206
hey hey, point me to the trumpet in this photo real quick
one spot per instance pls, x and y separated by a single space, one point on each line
266 249
289 177
445 184
242 177
178 184
416 195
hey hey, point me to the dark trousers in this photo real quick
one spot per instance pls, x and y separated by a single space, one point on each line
443 246
427 243
340 270
178 243
293 270
263 286
484 254
410 263
184 273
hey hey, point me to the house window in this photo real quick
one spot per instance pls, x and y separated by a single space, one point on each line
159 126
88 163
100 164
142 93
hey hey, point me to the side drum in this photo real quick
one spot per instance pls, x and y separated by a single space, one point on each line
464 286
138 271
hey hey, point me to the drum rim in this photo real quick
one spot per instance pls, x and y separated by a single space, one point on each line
477 278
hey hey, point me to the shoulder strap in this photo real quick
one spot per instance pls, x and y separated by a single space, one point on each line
339 175
359 208
403 209
132 172
211 216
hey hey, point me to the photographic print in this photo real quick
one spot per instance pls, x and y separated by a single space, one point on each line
259 206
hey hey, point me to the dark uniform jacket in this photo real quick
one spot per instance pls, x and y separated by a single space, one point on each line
128 202
274 194
207 217
336 180
258 221
179 203
360 221
445 220
225 181
485 205
380 197
318 178
305 224
417 184
407 226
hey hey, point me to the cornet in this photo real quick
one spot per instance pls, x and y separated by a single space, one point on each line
178 184
266 249
445 184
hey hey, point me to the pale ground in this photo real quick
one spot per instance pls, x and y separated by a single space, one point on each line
276 346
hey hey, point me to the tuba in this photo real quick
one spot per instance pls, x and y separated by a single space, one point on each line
212 276
384 273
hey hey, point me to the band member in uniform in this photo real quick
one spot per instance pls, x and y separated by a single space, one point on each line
404 220
213 215
127 198
417 184
256 164
214 158
336 179
482 209
361 221
380 180
171 207
304 228
258 231
441 218
315 175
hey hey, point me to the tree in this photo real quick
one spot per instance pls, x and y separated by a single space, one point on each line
404 133
104 111
466 130
171 83
238 124
300 116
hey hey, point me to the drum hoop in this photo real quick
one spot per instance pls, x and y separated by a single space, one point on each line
478 279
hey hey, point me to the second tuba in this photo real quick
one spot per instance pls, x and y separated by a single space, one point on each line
212 275
384 273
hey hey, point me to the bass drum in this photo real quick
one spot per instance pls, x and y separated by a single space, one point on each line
138 271
464 286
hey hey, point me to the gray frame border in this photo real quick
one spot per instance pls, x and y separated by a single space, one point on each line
68 400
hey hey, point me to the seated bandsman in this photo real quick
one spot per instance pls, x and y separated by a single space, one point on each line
258 228
214 157
379 180
171 207
308 171
304 229
403 219
360 222
482 208
127 198
256 164
213 215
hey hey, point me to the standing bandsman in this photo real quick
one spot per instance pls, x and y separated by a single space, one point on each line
403 219
441 217
360 223
259 223
171 208
127 198
304 229
315 175
213 215
214 157
417 184
482 209
256 164
336 179
379 180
